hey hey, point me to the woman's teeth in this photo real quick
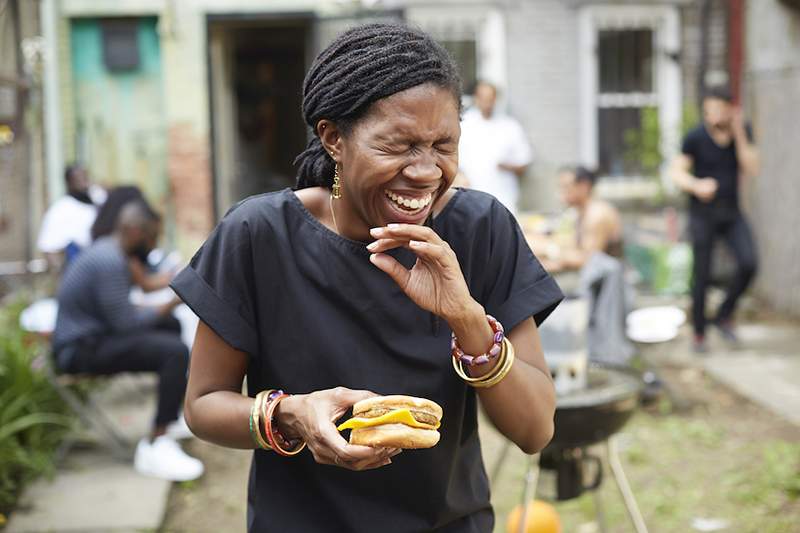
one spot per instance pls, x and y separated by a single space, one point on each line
410 204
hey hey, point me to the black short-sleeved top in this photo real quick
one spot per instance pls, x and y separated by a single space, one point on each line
714 161
313 313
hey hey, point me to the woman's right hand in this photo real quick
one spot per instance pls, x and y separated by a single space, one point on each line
311 417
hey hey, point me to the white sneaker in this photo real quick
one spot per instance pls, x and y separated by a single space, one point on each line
179 430
164 458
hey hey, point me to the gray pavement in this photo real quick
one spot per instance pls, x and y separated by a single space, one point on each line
92 491
764 369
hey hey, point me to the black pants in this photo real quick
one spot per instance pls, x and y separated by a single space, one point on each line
705 228
159 349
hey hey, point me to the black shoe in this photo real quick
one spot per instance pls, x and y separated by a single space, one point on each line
726 331
699 345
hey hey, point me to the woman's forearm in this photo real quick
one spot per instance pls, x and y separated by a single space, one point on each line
522 407
222 418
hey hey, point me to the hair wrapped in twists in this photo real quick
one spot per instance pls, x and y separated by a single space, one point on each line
363 65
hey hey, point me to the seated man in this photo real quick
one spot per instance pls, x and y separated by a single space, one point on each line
66 224
595 250
598 229
98 331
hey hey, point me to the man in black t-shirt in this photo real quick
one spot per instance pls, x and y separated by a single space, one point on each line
714 155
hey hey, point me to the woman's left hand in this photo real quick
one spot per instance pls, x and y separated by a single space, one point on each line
435 283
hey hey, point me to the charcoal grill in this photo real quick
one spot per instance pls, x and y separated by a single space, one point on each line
583 418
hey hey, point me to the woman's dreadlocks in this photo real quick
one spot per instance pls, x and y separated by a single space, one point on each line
363 65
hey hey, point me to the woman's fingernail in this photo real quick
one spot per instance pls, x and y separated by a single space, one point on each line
393 225
376 231
414 244
372 245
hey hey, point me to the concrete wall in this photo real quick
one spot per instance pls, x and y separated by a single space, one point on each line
773 103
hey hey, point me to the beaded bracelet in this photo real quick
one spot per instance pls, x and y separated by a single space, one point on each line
497 374
491 353
274 436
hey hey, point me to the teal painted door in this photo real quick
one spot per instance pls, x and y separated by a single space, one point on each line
119 113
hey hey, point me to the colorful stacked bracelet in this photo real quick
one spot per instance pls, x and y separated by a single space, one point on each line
262 430
500 371
280 444
491 353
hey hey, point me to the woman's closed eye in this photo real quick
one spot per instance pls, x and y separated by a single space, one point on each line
446 147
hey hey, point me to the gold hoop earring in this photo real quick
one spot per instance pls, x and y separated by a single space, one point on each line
336 192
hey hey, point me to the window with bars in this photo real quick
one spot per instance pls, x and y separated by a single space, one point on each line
626 85
120 44
465 55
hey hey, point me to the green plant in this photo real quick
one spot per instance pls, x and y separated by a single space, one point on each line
689 118
32 418
643 144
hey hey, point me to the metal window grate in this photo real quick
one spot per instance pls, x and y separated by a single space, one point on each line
626 85
120 44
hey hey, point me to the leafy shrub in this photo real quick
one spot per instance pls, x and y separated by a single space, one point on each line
33 419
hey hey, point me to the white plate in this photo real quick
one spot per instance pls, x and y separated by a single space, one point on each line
654 324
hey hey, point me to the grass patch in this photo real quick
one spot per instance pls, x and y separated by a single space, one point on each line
680 468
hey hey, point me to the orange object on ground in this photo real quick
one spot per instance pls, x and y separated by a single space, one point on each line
540 518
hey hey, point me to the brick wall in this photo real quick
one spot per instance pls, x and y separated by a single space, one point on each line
691 39
189 170
543 90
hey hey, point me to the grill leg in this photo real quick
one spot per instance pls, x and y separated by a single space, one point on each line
529 491
599 510
500 461
623 486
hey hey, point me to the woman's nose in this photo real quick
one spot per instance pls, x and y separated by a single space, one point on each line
423 168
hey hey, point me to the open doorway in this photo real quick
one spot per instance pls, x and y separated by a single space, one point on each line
256 70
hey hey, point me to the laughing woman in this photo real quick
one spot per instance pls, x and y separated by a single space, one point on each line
357 283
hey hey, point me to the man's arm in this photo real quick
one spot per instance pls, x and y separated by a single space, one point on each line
114 305
519 170
703 188
520 154
746 152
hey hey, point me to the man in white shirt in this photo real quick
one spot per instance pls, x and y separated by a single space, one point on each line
66 226
494 151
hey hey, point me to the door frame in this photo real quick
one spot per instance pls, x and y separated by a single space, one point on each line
220 99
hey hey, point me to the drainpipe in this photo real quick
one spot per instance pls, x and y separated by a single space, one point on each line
705 26
735 47
22 139
54 151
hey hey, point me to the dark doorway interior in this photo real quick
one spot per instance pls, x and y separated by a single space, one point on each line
263 129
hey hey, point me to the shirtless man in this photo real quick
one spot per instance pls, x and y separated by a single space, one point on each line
599 226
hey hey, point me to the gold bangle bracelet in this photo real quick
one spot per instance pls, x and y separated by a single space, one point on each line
501 361
498 377
257 412
459 368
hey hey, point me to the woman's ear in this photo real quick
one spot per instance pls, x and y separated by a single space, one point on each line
331 138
